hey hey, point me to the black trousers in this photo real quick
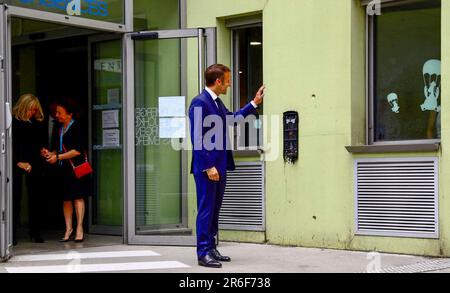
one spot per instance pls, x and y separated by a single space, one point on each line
33 182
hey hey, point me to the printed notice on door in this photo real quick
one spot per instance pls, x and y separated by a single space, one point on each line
110 119
172 106
172 127
113 96
111 137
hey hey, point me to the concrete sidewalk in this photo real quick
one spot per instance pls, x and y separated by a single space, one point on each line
108 254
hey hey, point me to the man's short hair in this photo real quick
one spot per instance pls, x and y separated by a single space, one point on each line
214 72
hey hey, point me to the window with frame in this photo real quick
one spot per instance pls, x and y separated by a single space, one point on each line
248 78
404 65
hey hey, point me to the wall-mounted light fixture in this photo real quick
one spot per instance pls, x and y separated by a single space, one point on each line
255 43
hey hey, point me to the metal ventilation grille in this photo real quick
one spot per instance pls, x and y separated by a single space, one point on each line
147 204
397 197
243 203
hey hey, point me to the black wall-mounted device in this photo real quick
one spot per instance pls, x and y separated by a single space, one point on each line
290 136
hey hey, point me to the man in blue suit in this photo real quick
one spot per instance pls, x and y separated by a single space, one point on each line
212 158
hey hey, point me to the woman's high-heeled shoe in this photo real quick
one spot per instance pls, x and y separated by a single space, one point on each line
79 240
71 237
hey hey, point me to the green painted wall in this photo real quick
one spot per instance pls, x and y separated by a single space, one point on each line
155 14
444 163
314 63
250 237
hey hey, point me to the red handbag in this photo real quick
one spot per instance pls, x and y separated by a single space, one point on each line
82 169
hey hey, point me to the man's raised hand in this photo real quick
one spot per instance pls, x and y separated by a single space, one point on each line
259 95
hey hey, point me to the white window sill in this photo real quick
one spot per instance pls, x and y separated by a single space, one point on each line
394 148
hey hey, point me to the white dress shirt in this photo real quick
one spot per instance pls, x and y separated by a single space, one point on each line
214 96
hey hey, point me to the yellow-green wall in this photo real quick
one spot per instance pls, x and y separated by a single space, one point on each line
314 63
155 15
444 163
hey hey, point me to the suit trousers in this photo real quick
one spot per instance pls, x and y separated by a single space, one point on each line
209 200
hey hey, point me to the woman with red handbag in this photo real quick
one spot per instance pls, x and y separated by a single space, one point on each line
68 153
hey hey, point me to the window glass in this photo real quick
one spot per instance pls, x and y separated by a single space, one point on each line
248 77
407 75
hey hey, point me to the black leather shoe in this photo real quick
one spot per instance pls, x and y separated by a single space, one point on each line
217 256
209 262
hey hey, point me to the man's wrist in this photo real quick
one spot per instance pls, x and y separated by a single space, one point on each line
254 104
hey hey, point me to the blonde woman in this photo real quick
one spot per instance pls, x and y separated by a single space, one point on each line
29 138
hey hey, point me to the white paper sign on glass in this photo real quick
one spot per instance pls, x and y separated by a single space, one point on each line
108 65
110 119
172 106
111 137
172 127
113 96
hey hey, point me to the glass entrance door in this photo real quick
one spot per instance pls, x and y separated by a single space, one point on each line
105 126
119 23
5 143
160 210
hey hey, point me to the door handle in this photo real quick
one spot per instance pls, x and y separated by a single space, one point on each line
8 115
3 143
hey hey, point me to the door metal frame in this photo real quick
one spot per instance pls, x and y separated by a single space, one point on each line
207 55
5 138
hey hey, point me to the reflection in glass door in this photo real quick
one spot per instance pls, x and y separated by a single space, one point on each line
160 208
161 211
106 204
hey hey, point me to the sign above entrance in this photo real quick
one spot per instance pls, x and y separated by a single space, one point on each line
106 10
74 7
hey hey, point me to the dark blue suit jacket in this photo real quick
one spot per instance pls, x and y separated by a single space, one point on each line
203 156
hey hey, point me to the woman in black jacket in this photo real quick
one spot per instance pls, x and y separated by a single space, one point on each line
68 151
28 141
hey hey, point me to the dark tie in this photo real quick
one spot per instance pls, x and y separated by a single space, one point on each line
220 105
